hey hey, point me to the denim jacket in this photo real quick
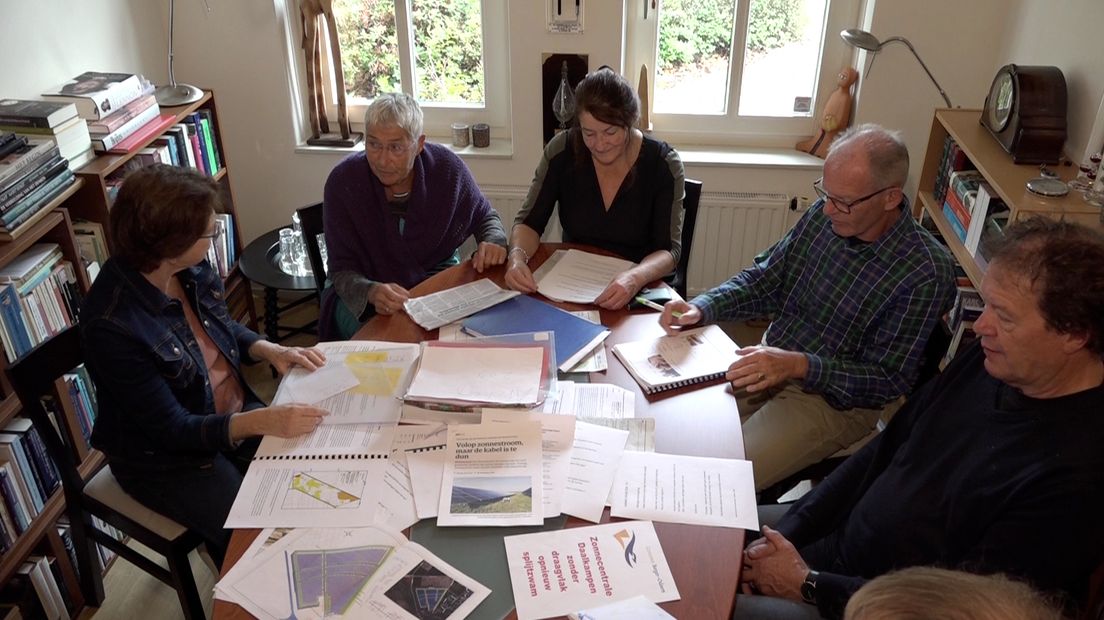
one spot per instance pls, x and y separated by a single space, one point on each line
156 406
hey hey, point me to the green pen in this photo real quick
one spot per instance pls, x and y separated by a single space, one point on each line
648 303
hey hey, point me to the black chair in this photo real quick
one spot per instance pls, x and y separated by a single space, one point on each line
310 221
689 219
38 376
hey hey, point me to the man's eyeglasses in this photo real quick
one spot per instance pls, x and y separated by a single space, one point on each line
841 204
393 148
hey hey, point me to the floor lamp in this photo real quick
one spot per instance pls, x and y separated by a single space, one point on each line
866 41
173 93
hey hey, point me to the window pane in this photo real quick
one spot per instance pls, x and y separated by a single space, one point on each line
695 49
369 46
448 45
781 57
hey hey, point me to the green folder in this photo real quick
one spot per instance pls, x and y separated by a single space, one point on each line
479 553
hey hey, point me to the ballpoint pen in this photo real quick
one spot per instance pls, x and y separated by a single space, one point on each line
648 303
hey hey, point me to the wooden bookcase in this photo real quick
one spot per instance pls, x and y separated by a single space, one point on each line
92 203
41 535
1008 179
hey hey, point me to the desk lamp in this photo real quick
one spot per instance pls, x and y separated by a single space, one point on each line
172 93
864 40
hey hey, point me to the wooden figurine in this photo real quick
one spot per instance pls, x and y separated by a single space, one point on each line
318 14
835 116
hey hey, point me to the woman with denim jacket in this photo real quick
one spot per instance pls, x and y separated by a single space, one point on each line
176 419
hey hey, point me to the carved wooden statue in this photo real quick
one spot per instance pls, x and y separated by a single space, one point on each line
834 117
318 14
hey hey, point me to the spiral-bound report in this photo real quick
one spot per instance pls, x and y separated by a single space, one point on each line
691 357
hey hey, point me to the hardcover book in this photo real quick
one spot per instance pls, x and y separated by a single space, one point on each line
668 362
97 94
44 114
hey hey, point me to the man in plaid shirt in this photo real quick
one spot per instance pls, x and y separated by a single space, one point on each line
854 290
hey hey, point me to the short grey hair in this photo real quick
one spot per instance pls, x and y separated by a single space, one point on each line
399 109
885 149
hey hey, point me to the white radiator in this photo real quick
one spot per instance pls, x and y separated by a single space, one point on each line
732 228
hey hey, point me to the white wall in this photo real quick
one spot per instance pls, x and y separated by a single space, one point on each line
46 42
1066 35
238 49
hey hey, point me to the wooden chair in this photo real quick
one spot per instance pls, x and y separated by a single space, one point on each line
38 376
310 221
689 219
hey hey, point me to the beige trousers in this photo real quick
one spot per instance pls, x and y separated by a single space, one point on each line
787 429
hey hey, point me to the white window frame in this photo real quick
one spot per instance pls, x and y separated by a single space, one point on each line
642 47
495 110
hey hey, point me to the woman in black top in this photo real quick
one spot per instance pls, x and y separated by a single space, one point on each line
617 189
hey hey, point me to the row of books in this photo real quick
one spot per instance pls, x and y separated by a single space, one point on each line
960 319
28 479
32 174
82 394
49 120
38 590
970 204
39 297
221 255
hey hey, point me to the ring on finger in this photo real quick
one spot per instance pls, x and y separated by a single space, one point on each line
762 376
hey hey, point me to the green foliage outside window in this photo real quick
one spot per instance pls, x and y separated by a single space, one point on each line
693 31
448 48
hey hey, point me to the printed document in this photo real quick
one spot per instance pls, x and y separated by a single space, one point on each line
436 309
557 436
380 372
479 374
556 573
360 572
591 400
596 360
492 475
594 457
579 276
685 489
315 482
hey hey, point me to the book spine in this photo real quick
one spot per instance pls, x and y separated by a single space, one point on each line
24 121
43 462
12 500
197 123
119 118
197 151
108 141
14 171
63 181
28 184
13 314
37 197
75 397
26 478
208 124
64 596
8 339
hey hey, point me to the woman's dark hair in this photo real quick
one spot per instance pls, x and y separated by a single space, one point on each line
608 97
159 213
1064 263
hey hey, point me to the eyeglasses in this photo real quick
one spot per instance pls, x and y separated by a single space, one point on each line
392 148
841 204
214 235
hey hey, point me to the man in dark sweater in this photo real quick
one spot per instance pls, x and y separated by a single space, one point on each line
995 466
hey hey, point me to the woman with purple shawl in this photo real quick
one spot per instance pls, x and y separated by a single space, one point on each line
397 214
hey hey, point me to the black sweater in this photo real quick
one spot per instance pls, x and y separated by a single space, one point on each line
970 474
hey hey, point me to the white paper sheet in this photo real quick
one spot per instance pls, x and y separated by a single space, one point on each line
303 386
382 371
395 505
505 375
492 475
641 431
580 277
365 572
436 309
685 489
594 457
591 400
555 573
596 360
332 440
557 437
426 466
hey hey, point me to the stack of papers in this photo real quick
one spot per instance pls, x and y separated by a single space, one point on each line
433 311
577 276
575 337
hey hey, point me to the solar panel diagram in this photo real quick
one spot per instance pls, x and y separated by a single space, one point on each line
332 578
428 594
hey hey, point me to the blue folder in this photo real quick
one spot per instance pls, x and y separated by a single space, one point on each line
575 337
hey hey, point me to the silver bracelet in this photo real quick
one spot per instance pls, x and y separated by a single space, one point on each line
518 248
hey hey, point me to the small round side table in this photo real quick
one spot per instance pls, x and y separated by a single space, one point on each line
260 263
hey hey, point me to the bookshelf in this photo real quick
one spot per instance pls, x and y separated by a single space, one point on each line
41 535
1008 179
92 202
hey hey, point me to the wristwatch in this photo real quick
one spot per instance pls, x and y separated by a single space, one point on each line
808 587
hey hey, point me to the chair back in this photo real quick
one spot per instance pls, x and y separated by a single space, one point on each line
310 221
689 219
